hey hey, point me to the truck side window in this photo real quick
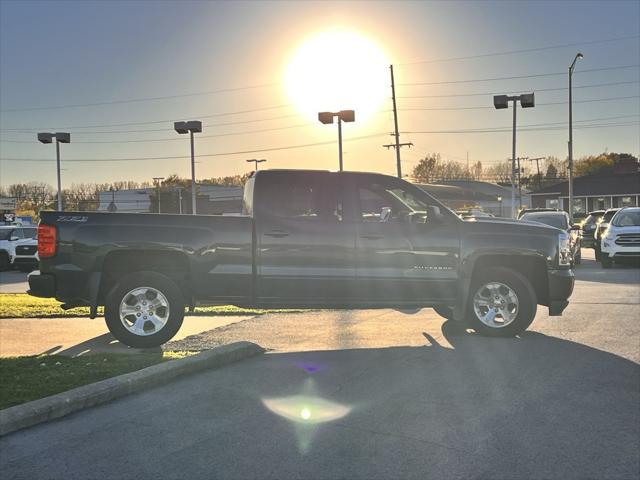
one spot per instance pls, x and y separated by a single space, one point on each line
390 203
300 199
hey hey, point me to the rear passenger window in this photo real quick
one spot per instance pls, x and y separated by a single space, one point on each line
299 199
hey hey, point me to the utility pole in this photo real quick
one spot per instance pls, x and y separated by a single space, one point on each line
537 160
520 181
397 145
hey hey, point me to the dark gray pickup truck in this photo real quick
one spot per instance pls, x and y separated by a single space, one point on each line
307 239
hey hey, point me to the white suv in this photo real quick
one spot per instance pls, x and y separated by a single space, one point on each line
622 238
10 236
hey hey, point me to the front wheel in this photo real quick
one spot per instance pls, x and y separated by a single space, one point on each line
502 303
144 309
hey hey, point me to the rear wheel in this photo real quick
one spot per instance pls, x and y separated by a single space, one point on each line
144 309
502 303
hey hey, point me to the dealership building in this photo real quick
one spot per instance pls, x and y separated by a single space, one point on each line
619 187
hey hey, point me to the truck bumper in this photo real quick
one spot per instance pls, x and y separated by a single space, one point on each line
560 289
41 285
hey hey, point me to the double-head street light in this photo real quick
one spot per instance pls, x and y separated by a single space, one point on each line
190 127
60 137
256 161
343 116
573 64
527 100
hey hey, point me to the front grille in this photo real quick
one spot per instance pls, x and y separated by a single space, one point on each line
628 240
26 249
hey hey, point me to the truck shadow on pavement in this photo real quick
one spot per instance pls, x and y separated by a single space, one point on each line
460 406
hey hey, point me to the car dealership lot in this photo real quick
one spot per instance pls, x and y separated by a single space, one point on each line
379 394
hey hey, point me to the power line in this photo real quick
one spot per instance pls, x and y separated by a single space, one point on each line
636 82
273 84
525 50
173 139
247 132
517 77
220 154
537 104
142 99
522 128
242 122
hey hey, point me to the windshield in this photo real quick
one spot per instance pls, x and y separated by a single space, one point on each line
5 233
608 215
558 221
627 218
593 218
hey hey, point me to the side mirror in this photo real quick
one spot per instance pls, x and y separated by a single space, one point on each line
575 227
14 238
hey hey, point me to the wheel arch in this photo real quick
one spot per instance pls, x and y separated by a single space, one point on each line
116 264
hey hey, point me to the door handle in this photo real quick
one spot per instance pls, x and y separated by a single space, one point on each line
276 234
372 237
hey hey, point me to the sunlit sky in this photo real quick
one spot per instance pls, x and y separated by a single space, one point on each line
78 53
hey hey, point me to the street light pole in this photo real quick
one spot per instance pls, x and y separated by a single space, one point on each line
256 161
193 175
527 100
191 127
340 142
58 172
158 180
61 137
573 64
343 116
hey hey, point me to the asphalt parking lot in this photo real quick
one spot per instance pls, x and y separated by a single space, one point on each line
378 394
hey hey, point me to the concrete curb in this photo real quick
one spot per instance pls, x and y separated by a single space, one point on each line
65 403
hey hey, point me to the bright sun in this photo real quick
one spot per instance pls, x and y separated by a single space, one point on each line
338 70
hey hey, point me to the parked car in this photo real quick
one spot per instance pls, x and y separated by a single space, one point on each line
9 235
621 240
26 257
560 220
601 228
589 226
535 210
309 239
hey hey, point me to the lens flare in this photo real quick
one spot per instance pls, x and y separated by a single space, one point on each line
300 408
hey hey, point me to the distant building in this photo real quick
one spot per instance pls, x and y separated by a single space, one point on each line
619 187
466 194
125 201
211 200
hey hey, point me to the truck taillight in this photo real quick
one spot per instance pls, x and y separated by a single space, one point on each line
46 241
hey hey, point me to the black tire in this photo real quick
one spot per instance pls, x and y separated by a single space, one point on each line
596 247
4 261
605 261
154 281
444 311
526 296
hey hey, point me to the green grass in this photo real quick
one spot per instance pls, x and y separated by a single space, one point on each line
23 379
21 305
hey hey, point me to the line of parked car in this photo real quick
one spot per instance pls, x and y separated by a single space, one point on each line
614 234
19 248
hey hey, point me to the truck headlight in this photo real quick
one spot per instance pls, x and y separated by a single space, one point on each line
564 250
